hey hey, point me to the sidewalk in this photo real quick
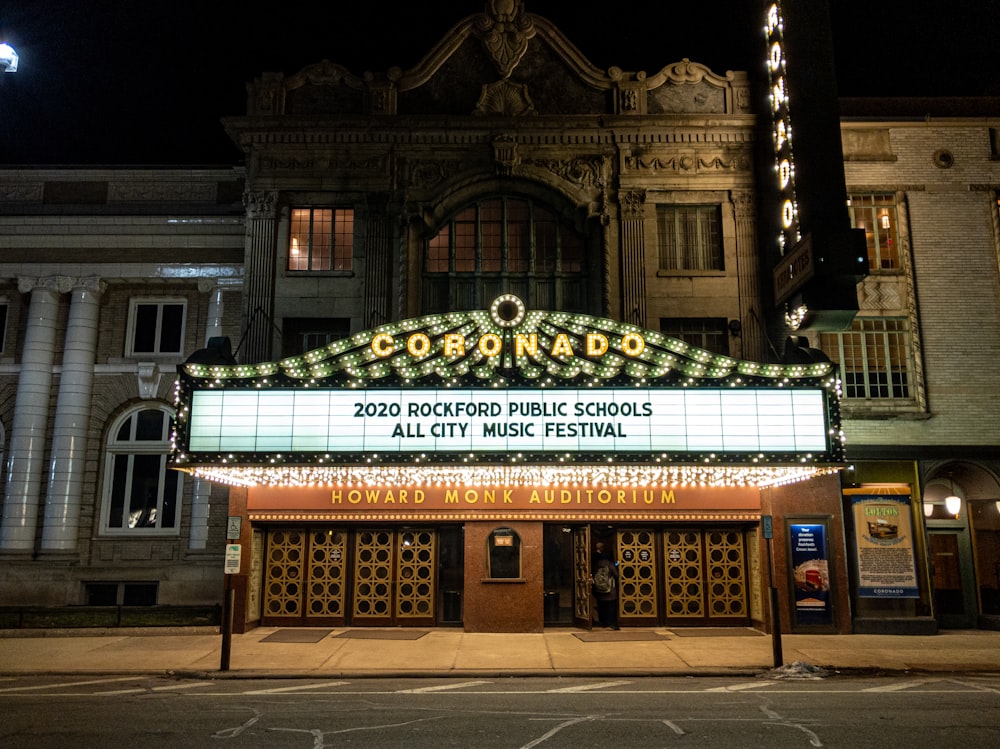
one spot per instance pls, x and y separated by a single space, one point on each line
350 652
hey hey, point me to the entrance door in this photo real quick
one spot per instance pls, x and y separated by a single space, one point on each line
582 612
706 582
954 594
638 591
328 576
304 577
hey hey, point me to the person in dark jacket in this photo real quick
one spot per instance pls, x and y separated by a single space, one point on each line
607 599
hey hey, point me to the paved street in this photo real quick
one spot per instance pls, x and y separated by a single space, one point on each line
773 711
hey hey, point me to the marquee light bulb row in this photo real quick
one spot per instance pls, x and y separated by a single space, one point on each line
553 476
559 346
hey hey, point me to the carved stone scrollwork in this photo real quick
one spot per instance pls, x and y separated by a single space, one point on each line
631 204
505 154
504 98
505 30
260 204
149 379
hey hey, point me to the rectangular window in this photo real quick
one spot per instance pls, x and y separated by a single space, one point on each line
877 216
709 333
874 358
689 237
156 327
321 239
299 335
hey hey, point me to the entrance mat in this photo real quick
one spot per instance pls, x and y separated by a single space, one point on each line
716 632
620 635
297 635
382 634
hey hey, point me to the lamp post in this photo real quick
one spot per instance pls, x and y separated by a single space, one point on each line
8 58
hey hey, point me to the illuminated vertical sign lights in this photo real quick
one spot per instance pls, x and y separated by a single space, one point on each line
781 128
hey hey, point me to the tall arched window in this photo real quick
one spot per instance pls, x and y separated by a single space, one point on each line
505 245
141 495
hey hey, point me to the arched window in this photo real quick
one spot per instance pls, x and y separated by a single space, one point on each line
505 245
141 495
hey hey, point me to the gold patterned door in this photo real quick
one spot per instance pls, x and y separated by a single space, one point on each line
638 591
582 610
394 577
304 577
705 572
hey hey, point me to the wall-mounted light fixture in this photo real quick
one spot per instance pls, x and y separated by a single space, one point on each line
953 502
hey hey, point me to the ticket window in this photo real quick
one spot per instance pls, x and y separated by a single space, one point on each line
503 554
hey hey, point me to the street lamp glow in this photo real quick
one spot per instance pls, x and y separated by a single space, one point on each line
8 58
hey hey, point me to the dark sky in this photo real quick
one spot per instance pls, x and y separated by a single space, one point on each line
146 82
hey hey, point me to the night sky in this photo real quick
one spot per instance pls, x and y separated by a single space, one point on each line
145 82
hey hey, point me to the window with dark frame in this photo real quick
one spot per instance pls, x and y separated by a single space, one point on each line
505 245
709 333
156 327
300 335
874 359
321 239
141 494
878 216
689 238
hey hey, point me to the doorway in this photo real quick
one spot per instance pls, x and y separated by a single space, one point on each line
377 577
668 576
954 590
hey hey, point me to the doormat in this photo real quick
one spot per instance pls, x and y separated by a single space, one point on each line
297 635
716 632
382 634
621 635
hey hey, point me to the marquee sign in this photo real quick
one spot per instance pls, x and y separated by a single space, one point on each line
503 386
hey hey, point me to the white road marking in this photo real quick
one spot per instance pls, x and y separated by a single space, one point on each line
186 685
278 690
900 686
588 687
71 684
442 687
741 687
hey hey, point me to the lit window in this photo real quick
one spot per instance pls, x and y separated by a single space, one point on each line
140 494
709 333
505 245
321 239
877 216
874 358
689 237
156 327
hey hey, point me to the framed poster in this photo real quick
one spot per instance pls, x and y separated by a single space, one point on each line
811 600
883 533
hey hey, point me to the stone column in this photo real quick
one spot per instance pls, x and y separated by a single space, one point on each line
260 258
69 434
201 492
633 259
752 331
25 460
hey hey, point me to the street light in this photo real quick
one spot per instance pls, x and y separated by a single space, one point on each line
8 58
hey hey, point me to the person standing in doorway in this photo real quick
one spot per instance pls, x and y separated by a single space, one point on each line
605 585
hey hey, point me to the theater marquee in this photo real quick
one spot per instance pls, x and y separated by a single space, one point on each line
505 397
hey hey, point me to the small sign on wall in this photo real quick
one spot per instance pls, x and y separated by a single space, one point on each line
232 564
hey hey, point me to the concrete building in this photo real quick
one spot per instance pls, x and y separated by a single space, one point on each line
503 188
